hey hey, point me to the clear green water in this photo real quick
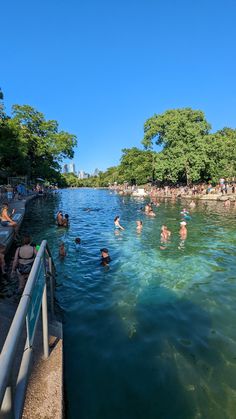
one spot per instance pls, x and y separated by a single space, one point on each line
154 336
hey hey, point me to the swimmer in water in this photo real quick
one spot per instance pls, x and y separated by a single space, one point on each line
192 204
227 203
139 226
62 250
165 235
66 221
117 223
183 232
105 257
77 243
147 208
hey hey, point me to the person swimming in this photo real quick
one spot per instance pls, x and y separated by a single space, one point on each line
59 219
139 226
77 243
165 235
183 232
62 250
105 258
117 223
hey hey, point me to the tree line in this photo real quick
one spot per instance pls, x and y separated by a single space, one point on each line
188 153
31 145
178 147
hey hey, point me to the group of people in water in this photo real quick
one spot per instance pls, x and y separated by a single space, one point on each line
165 233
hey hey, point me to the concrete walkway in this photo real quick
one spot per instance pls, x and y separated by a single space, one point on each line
44 397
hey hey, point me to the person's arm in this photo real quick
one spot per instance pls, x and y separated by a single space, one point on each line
122 228
15 261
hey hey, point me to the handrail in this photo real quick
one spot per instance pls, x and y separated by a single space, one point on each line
33 297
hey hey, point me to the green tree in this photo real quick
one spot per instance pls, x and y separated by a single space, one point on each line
221 154
46 145
183 135
136 165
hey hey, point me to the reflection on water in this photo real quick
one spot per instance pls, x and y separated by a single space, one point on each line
153 336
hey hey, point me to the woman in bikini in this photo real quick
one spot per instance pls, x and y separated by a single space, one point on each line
23 261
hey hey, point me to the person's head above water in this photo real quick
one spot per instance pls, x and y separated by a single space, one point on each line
104 250
66 216
77 240
116 218
139 223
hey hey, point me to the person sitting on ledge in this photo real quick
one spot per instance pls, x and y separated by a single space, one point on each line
6 219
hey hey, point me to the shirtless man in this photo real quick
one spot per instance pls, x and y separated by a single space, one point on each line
183 232
165 233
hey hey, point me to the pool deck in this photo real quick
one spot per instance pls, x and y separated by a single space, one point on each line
7 233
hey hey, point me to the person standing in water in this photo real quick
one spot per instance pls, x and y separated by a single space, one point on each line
139 226
117 223
183 232
165 235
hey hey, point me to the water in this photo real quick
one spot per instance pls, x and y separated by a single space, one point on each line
154 335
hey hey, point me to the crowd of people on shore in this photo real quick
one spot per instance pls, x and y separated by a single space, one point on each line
224 187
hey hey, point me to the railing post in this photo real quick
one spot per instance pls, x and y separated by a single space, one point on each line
45 323
51 280
7 408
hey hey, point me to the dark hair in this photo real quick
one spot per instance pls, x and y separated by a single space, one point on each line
104 249
116 218
77 240
26 239
66 216
5 204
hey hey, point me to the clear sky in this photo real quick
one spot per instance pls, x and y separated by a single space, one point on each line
101 68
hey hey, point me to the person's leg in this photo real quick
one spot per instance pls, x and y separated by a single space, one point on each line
22 281
2 263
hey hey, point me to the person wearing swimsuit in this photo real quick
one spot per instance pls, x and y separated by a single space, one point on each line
23 261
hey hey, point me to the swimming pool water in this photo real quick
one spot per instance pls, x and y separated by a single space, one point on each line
152 336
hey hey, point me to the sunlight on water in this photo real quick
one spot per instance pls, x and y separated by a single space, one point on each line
153 335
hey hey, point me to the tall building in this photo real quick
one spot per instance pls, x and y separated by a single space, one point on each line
83 175
96 172
65 168
71 168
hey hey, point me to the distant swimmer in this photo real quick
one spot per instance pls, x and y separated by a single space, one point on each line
147 208
105 258
117 223
165 233
77 243
66 221
227 203
165 236
139 226
59 219
183 232
192 204
62 250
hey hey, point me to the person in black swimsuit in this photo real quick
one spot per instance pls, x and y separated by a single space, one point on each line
23 261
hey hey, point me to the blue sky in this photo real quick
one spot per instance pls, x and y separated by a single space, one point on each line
101 68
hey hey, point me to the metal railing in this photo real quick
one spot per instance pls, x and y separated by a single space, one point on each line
33 300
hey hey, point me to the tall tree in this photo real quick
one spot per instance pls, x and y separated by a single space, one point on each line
182 133
46 145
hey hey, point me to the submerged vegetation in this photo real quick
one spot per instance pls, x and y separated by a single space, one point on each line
187 151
